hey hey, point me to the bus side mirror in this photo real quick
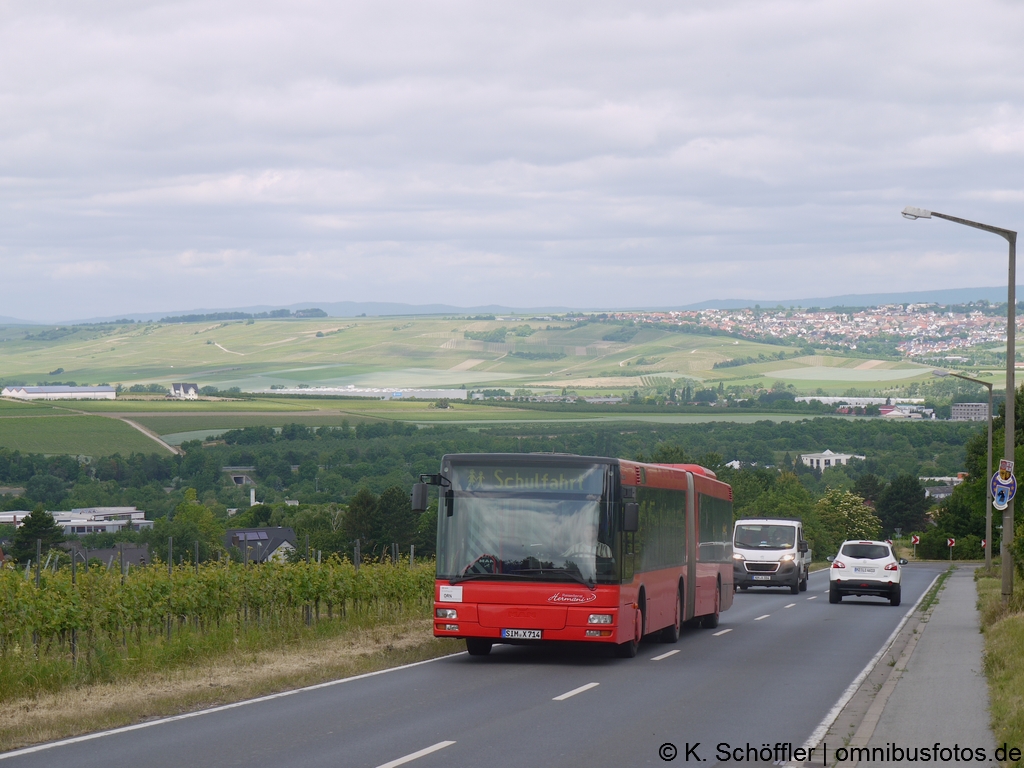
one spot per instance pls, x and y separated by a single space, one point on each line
801 547
630 517
419 499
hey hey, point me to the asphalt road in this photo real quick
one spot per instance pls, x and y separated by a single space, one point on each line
769 673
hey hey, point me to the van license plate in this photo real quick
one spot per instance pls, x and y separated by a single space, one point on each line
762 578
520 634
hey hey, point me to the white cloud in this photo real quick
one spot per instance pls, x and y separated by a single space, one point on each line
575 154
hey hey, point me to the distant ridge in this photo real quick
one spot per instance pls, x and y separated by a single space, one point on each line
337 309
995 295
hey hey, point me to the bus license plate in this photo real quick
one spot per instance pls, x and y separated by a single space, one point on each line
520 634
762 578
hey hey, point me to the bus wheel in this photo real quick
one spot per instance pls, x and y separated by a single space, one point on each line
710 621
628 649
478 646
670 634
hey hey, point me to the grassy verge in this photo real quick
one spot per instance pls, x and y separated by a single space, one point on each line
1003 626
932 597
327 652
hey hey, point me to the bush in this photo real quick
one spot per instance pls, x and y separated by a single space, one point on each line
933 546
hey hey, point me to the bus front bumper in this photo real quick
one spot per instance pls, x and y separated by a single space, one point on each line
576 628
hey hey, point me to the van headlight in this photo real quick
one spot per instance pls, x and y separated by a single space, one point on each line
785 558
738 556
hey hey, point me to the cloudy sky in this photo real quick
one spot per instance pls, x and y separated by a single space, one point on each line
164 156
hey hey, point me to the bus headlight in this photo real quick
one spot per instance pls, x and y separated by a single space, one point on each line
600 618
446 613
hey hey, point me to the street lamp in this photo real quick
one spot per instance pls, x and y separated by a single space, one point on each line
988 471
1011 304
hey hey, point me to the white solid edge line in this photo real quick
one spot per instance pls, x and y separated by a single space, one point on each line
789 606
211 710
762 617
716 634
819 733
665 655
574 691
416 755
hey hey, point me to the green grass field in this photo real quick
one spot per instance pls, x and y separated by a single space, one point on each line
19 408
421 352
76 435
128 405
407 352
412 352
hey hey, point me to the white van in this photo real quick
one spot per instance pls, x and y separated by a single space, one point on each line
770 552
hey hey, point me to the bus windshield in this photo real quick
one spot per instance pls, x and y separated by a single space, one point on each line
764 537
526 523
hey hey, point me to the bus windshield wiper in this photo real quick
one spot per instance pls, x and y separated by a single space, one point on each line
574 575
472 576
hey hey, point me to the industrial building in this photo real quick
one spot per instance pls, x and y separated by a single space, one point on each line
85 520
59 392
970 412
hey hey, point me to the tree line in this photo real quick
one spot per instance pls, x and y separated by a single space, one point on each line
334 470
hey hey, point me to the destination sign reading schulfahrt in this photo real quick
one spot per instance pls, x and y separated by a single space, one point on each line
577 480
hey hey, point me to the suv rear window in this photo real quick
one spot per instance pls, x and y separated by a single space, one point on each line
866 551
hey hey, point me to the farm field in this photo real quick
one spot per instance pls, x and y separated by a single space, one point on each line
127 405
424 352
73 434
59 428
18 408
207 428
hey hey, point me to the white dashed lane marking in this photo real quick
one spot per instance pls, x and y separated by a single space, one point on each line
665 655
813 598
722 632
789 606
416 755
574 691
762 617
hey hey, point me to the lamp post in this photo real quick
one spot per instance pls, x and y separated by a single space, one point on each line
988 471
1011 400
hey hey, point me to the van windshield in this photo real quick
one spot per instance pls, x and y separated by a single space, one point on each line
764 537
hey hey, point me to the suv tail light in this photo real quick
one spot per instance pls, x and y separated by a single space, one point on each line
892 567
838 564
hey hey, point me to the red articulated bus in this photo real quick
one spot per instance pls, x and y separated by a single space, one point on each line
548 547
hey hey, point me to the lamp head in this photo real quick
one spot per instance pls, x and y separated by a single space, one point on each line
910 212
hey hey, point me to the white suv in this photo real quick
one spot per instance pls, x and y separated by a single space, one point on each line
865 568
